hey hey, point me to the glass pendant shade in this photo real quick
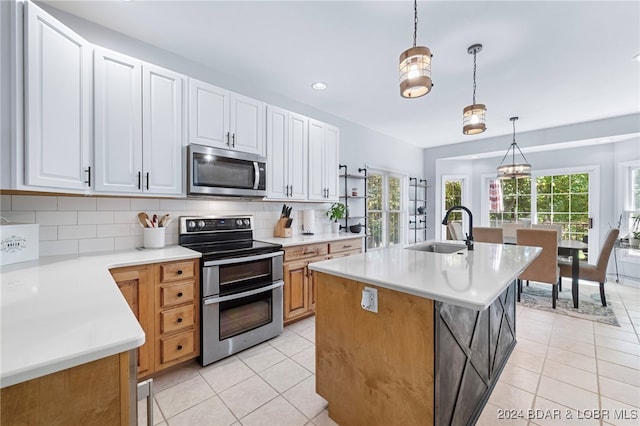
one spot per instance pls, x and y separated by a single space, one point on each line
511 171
415 72
474 119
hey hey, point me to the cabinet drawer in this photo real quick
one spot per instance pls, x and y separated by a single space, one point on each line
176 294
177 319
306 251
176 347
345 245
176 271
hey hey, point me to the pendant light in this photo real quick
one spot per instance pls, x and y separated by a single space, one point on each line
415 66
514 170
473 116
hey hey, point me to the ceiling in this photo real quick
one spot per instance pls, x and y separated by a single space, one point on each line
549 62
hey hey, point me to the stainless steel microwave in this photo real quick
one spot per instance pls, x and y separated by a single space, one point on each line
214 171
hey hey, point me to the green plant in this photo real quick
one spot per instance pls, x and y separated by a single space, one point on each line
336 212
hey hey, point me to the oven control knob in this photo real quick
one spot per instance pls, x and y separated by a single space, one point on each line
247 222
201 224
239 222
191 224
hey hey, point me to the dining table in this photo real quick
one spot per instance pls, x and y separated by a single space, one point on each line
572 247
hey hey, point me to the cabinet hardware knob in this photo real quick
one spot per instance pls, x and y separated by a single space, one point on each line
233 140
290 190
180 294
147 181
227 138
139 180
179 320
179 347
179 272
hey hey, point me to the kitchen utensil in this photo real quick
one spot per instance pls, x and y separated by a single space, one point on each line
288 224
164 220
142 218
355 228
284 211
148 223
154 221
289 211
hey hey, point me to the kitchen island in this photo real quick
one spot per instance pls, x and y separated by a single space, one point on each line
431 354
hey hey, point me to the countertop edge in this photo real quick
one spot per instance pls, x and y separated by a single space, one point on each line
298 240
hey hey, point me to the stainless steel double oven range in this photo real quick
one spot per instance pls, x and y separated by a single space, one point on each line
241 284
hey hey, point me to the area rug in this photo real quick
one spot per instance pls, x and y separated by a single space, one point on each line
590 307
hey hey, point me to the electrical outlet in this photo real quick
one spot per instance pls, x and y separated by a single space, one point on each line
369 299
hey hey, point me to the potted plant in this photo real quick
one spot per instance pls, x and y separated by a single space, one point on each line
336 212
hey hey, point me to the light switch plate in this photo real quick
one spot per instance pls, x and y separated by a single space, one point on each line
369 299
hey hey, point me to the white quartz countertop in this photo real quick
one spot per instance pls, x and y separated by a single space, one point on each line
300 239
473 279
62 311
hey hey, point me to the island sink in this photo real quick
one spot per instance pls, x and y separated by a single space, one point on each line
437 247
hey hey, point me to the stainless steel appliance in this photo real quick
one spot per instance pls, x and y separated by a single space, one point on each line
213 171
241 284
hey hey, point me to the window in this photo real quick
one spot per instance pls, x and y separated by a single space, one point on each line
453 197
552 199
385 208
631 197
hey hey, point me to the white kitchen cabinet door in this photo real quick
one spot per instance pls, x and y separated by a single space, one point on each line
58 103
162 106
298 156
246 124
277 153
323 161
286 154
117 122
208 115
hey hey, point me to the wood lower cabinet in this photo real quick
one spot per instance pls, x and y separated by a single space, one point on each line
299 283
165 299
96 393
136 286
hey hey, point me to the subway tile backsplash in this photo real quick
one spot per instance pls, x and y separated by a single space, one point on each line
77 225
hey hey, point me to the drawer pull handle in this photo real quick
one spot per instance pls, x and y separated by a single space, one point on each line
179 272
309 252
180 294
346 246
179 347
179 320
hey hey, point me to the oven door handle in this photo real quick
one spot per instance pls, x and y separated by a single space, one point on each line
256 175
273 286
243 259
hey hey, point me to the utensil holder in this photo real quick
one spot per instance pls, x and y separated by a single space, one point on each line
153 237
280 230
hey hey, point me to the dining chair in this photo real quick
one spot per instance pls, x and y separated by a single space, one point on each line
545 267
485 234
509 229
597 272
562 255
454 231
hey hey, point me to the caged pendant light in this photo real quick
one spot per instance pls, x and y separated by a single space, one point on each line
415 66
473 116
514 170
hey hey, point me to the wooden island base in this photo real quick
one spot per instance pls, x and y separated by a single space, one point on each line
415 362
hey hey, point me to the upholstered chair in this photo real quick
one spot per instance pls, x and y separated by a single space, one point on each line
597 272
454 231
544 268
484 234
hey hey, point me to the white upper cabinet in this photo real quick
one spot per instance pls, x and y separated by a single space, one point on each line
323 161
223 119
162 108
58 103
287 140
138 126
117 122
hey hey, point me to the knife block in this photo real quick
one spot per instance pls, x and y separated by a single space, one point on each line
280 230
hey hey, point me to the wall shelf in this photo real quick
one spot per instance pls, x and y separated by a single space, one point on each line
418 221
346 176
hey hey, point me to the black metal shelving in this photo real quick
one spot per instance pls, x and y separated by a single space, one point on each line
417 220
346 176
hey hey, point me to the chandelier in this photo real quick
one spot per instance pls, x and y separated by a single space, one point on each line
514 170
415 66
473 116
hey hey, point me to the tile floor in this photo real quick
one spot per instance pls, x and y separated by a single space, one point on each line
563 371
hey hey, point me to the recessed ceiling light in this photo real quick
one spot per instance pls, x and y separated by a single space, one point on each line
319 85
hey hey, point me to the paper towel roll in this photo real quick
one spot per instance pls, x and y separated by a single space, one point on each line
308 221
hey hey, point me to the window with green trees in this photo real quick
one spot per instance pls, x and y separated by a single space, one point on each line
384 207
453 197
